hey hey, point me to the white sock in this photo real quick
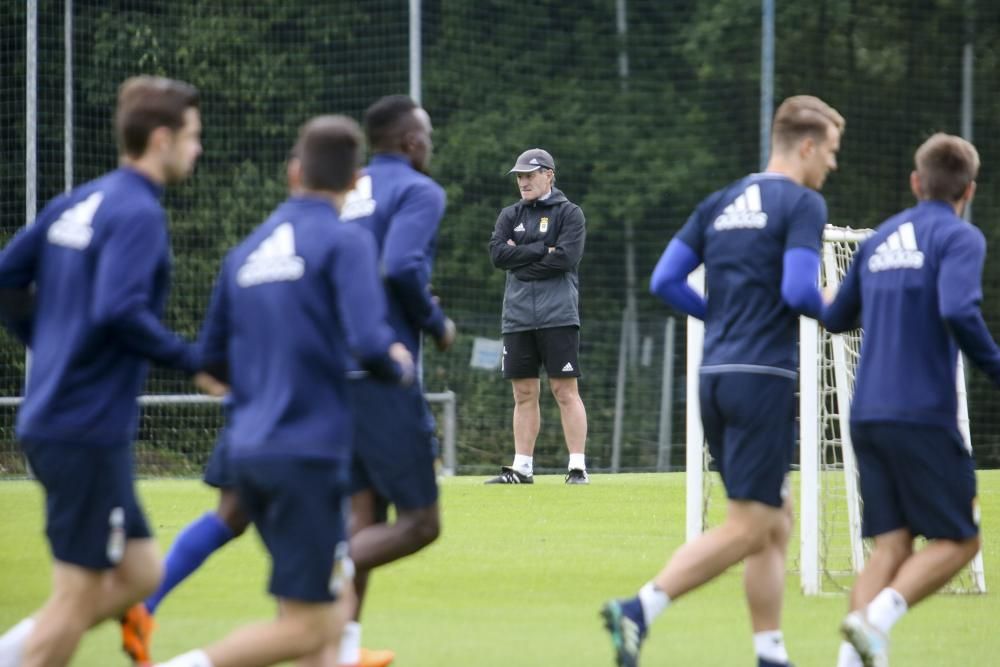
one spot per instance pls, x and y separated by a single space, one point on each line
577 462
653 601
12 643
848 656
887 608
523 464
770 645
191 659
350 644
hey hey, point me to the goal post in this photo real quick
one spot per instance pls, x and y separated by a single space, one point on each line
696 451
829 558
830 514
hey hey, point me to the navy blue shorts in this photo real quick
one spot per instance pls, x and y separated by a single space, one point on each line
394 444
915 476
749 422
298 507
90 503
218 470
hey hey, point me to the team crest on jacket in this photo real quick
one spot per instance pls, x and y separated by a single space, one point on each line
543 225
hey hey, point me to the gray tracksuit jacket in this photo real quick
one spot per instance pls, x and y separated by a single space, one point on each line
542 289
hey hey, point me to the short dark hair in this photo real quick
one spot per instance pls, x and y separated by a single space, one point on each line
146 103
804 116
945 165
329 149
387 120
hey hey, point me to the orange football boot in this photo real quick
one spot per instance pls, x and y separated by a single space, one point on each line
137 632
370 658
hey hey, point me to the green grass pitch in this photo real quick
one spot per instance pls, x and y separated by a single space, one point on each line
515 580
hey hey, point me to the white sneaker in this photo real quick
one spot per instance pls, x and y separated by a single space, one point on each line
871 644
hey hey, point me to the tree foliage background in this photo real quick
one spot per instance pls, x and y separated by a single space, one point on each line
636 151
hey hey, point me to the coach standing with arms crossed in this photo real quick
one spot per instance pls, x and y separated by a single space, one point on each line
539 243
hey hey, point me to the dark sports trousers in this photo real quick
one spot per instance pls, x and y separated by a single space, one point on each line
91 509
557 349
915 476
749 422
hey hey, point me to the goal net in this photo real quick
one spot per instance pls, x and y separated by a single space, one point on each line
831 549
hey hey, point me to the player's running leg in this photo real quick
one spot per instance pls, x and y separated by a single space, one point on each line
383 543
300 632
393 464
199 540
13 641
891 550
375 544
917 577
932 567
746 531
193 545
82 598
764 583
367 509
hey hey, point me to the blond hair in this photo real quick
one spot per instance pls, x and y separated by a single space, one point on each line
804 116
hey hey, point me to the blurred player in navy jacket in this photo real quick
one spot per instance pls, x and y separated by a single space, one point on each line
85 287
395 444
294 302
759 239
915 287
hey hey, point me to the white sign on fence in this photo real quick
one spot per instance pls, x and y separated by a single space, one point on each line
486 353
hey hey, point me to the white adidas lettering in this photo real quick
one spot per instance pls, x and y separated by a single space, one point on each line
273 261
74 227
898 251
359 202
744 213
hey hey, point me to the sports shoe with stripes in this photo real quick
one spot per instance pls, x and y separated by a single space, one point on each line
625 623
577 476
870 642
510 476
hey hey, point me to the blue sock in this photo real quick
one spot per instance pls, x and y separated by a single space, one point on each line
196 542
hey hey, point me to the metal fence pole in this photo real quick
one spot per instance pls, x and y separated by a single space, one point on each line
968 84
416 80
766 79
449 453
31 116
666 431
616 435
68 95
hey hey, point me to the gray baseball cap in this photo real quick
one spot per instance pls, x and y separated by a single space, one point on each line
532 159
